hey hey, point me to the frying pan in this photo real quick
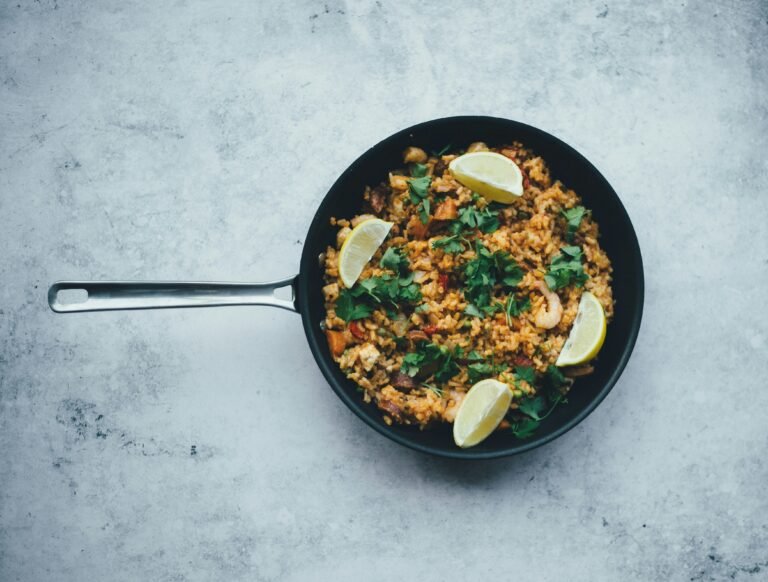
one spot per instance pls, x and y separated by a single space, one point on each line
344 199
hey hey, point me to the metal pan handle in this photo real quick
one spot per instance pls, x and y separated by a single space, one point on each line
118 295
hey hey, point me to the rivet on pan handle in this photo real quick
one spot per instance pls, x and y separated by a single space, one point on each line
119 295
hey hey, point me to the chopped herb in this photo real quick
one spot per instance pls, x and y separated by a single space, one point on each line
526 373
442 151
573 216
483 272
431 359
435 389
419 170
473 311
348 310
384 291
541 406
423 308
480 370
395 260
523 428
418 191
514 306
450 244
566 268
486 220
554 380
474 356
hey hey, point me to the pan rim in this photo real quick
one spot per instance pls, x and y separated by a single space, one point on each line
356 405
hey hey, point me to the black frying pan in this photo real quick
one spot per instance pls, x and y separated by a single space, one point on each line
344 199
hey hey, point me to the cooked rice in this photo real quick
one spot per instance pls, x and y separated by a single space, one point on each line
532 231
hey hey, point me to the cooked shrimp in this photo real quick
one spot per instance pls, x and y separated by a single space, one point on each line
551 316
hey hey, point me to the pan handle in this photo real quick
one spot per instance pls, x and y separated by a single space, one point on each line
118 295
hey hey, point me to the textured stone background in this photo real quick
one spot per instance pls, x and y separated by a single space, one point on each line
193 140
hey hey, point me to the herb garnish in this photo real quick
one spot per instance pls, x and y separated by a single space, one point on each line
566 268
539 407
482 273
485 220
395 260
418 190
450 244
442 151
383 291
482 369
349 310
431 359
514 306
419 170
573 216
470 218
435 389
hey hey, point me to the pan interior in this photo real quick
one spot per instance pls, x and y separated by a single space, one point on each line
617 238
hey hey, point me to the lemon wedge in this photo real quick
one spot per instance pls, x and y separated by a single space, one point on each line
481 411
587 334
491 175
359 246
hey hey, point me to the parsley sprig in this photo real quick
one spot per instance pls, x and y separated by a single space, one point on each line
432 359
538 408
419 170
418 191
573 216
480 368
483 273
385 291
566 268
470 219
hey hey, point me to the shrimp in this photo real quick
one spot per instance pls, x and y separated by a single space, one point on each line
551 316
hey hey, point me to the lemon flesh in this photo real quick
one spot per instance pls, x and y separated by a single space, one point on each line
587 334
359 246
491 175
481 411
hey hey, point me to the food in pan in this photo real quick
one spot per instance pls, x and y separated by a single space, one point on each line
465 267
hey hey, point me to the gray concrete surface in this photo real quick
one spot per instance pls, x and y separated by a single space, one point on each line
159 140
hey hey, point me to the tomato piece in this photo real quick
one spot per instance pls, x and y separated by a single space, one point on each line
357 330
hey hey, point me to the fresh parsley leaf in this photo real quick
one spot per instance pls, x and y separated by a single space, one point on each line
418 188
554 379
485 271
566 268
473 311
395 260
524 428
473 356
533 407
424 211
450 244
514 306
477 372
526 373
384 291
480 370
508 270
573 216
423 308
419 170
486 220
418 192
432 359
349 310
